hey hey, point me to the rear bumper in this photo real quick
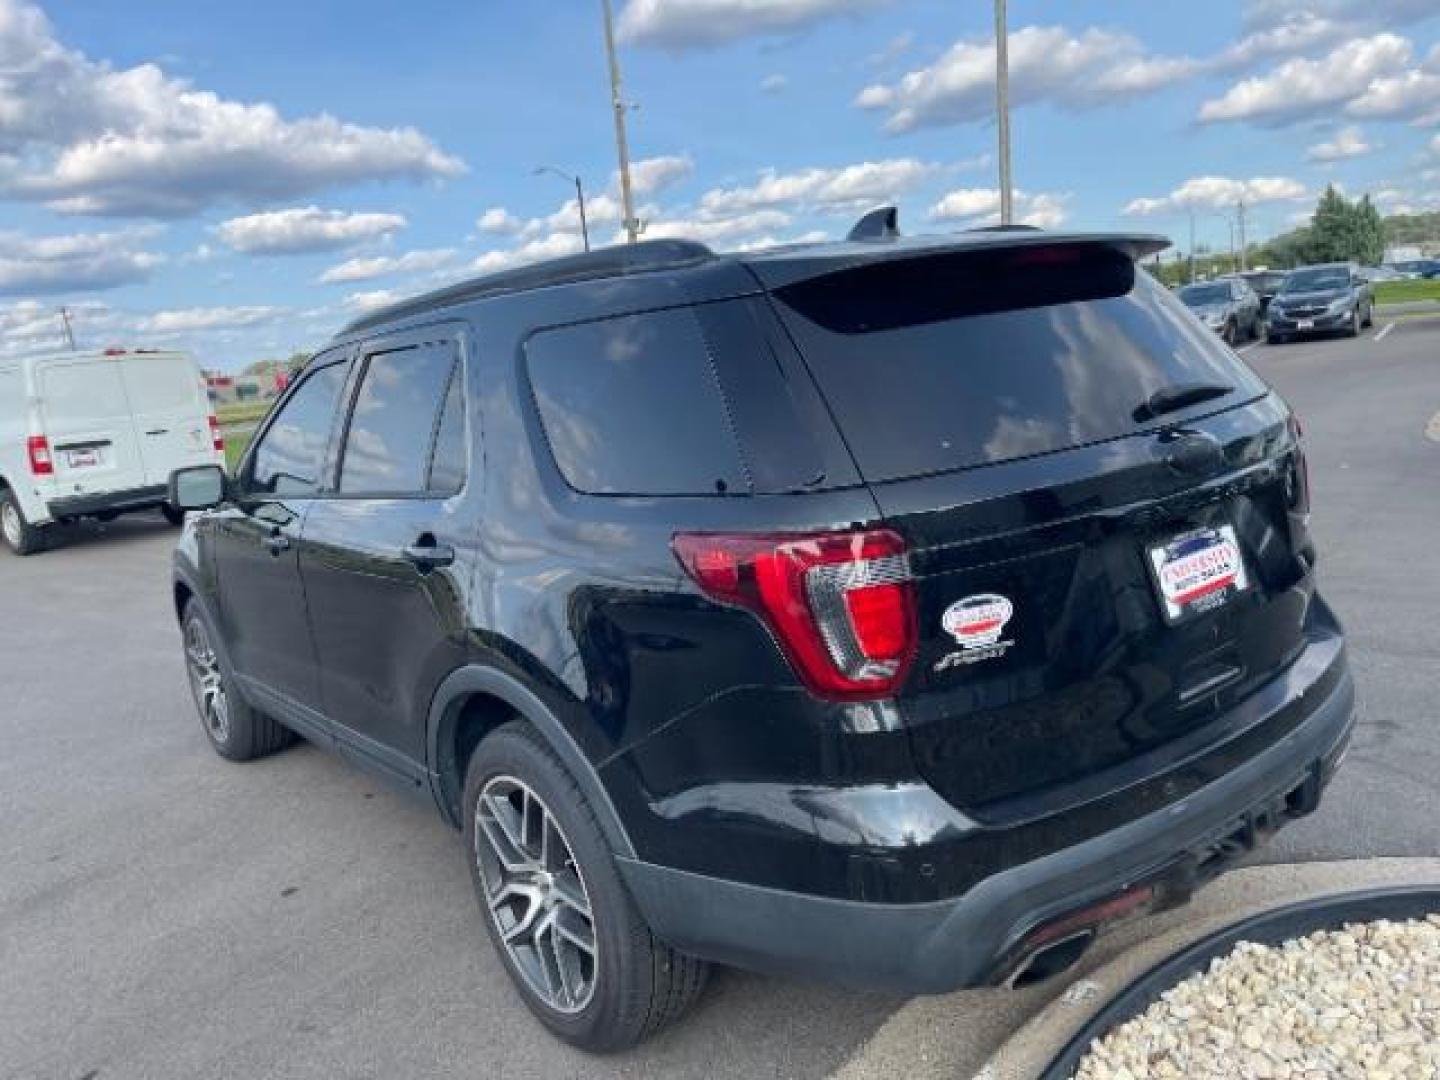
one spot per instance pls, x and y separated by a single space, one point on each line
113 502
981 936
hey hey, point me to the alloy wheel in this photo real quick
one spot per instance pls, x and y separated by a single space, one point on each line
536 895
206 681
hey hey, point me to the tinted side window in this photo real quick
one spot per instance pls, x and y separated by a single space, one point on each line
631 406
448 462
289 458
392 428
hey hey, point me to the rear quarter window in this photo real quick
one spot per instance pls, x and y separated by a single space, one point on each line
950 361
632 406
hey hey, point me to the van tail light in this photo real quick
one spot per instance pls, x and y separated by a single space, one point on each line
216 438
840 605
38 448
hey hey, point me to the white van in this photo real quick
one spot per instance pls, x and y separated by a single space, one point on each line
96 435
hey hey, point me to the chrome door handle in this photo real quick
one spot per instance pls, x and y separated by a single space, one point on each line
427 557
276 543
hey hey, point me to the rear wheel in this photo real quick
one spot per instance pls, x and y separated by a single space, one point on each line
234 729
568 933
20 536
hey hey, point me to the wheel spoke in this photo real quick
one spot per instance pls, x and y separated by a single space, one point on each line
536 895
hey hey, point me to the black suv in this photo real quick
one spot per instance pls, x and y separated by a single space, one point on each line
898 611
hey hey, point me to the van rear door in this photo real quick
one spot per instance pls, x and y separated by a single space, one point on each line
85 415
1103 508
172 412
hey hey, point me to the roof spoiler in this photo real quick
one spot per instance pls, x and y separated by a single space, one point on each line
882 223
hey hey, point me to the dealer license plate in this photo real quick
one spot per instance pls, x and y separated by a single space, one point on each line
1198 571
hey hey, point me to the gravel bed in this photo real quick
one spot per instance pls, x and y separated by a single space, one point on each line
1359 1002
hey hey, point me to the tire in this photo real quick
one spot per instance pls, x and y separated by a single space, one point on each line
1275 339
1229 334
1353 329
1370 316
235 730
636 983
175 516
20 536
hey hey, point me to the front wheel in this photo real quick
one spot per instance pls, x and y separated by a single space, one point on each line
234 729
20 536
557 911
1370 316
1353 329
1229 334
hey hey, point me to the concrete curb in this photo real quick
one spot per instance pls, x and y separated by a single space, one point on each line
1013 1035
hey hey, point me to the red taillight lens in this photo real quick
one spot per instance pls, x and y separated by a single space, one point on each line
215 436
41 463
841 605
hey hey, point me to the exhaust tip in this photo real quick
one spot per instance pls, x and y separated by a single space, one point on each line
1050 960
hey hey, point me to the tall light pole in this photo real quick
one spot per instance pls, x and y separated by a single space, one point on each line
622 147
69 331
1002 109
1240 218
579 197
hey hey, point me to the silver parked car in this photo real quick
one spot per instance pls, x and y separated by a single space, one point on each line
1229 306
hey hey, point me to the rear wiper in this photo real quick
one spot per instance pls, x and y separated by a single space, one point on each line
1169 399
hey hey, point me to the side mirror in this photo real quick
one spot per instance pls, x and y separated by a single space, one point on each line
200 487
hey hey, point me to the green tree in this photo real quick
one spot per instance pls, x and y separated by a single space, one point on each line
1333 235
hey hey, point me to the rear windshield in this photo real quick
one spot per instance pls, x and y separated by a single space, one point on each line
1314 280
1200 295
948 361
161 384
82 393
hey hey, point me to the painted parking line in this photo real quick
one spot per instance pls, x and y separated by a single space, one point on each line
1384 330
1247 348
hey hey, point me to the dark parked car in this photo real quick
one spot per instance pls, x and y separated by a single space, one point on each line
1266 284
897 611
1228 306
1321 299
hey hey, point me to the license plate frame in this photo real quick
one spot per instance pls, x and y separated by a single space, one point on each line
1304 324
83 457
1197 571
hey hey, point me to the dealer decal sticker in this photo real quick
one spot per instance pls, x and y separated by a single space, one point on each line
977 623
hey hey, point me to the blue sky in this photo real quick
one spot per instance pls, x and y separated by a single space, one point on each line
241 179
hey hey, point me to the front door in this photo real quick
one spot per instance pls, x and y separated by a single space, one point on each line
386 557
257 542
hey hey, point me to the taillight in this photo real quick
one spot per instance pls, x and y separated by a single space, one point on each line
215 437
41 463
841 605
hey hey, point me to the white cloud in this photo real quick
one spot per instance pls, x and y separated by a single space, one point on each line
304 229
894 49
500 221
365 268
750 225
372 300
543 247
651 175
1219 192
774 84
814 236
1260 14
1301 87
825 189
83 137
188 320
1047 63
1349 142
690 24
980 206
78 262
1297 32
1410 94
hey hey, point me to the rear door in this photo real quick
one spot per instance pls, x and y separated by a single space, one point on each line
1101 571
386 557
171 412
85 413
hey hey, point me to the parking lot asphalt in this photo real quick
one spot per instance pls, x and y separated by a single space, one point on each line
164 913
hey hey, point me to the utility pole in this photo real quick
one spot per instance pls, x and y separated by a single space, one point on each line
1240 217
579 198
617 102
1002 110
69 332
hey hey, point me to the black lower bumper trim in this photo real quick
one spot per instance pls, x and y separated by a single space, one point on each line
109 502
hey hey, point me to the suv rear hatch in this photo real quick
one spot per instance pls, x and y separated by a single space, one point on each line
1104 507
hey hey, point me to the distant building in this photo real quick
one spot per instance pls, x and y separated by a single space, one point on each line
226 389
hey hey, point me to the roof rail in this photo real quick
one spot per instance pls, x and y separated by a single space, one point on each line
882 223
616 261
1012 227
